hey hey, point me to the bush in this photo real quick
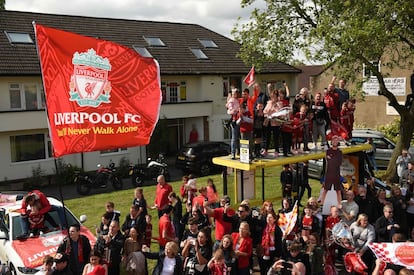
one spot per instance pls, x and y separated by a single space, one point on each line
36 180
391 130
123 168
65 173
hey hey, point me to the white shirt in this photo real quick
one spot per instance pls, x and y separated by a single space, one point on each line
168 266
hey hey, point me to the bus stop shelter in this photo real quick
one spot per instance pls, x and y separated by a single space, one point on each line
241 168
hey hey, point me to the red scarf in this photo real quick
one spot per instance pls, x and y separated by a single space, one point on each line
80 249
268 238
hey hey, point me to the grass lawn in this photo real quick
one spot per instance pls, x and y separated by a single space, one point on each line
94 206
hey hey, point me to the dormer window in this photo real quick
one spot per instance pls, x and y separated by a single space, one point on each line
199 54
19 37
142 51
208 43
154 41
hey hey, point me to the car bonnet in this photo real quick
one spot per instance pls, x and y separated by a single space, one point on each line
33 250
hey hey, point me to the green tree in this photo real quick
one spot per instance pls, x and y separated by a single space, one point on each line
2 4
348 33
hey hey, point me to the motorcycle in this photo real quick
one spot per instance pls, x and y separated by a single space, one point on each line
151 171
103 176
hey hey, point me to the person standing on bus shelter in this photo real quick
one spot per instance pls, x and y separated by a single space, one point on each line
332 176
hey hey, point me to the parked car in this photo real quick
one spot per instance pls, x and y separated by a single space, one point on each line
197 157
384 149
25 257
384 146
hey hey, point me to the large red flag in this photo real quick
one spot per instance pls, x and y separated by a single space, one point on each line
99 95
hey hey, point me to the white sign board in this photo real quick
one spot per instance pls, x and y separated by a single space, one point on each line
390 111
248 185
244 151
395 85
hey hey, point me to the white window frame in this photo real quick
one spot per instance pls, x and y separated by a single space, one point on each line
199 54
208 43
19 37
40 102
364 69
230 82
173 90
154 41
143 51
46 144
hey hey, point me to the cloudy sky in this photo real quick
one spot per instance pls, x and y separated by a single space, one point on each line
217 15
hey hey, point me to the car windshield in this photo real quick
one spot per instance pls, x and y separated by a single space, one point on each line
51 218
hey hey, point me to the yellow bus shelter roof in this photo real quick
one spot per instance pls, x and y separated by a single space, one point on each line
280 161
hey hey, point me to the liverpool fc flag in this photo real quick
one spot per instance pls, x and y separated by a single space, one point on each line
99 95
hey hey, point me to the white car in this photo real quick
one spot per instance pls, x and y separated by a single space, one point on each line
25 257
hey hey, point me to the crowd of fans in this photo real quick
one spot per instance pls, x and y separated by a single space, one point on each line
247 237
211 237
273 120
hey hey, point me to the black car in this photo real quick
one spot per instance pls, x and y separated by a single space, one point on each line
197 157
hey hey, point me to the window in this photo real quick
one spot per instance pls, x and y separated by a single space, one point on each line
154 41
109 151
19 38
174 91
226 129
208 43
366 72
142 51
199 54
30 147
183 91
230 83
28 96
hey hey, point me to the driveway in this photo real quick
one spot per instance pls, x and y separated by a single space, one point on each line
69 190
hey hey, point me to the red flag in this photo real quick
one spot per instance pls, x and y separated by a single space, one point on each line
99 95
249 79
337 129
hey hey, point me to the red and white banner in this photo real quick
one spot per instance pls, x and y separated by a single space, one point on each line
249 79
287 221
395 253
99 95
33 250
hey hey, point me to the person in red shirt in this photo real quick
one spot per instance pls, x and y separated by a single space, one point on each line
331 100
222 227
166 229
198 201
36 220
193 135
308 223
245 121
161 195
331 220
243 248
345 118
35 197
217 265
